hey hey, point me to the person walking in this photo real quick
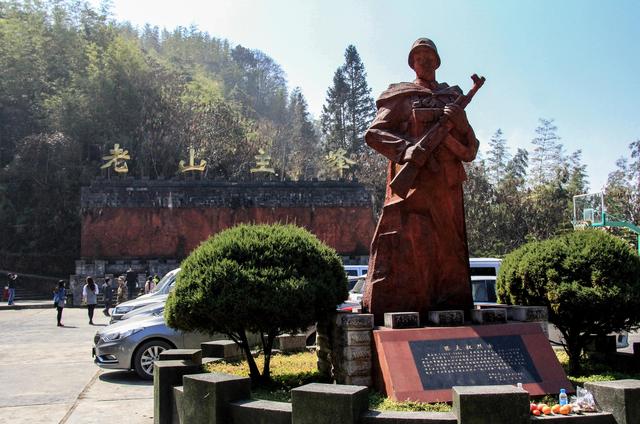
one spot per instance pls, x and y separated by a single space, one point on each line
149 285
90 297
121 294
107 289
11 285
59 297
132 282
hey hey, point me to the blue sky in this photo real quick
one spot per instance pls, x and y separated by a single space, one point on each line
577 62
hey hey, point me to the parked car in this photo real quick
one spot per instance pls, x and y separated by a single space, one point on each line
484 266
483 289
159 294
355 270
135 343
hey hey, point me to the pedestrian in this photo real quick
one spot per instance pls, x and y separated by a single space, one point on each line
149 285
11 285
90 297
108 295
132 282
59 297
121 294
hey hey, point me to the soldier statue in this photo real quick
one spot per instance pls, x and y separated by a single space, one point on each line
419 258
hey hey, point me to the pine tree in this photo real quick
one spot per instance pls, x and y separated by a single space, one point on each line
334 113
546 158
498 157
360 105
303 138
349 106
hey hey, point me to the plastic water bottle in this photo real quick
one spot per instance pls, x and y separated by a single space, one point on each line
563 397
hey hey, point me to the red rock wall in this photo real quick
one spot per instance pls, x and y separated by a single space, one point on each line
109 233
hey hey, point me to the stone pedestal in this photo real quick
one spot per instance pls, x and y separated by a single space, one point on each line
489 316
291 342
328 403
225 349
207 397
621 398
192 356
402 319
491 405
167 375
344 348
446 318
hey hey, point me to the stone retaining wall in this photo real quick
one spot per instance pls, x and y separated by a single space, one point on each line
181 395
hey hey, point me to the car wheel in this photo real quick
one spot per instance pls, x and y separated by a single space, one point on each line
146 354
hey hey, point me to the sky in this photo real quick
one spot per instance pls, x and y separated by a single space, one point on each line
576 62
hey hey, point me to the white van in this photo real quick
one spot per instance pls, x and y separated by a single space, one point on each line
484 267
355 270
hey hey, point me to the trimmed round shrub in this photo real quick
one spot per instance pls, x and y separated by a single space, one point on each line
589 280
261 279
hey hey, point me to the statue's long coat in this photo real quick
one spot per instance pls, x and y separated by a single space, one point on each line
419 256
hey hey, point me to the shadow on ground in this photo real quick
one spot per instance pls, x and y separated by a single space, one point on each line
124 377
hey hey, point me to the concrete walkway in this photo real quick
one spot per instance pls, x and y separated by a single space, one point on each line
47 374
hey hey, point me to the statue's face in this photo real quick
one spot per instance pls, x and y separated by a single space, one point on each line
425 62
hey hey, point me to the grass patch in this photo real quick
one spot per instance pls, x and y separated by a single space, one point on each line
592 370
287 372
295 370
379 402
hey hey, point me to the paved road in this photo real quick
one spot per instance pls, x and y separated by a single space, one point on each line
47 374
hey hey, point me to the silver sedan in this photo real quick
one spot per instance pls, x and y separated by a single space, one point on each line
136 343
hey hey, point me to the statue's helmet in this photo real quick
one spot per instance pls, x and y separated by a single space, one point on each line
423 42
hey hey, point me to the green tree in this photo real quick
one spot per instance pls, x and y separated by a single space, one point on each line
623 187
349 107
589 281
546 157
498 157
302 137
263 279
334 114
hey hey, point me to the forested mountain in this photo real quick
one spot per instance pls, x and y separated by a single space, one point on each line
74 82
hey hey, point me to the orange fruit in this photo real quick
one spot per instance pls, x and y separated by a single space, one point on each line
541 406
565 409
555 409
546 410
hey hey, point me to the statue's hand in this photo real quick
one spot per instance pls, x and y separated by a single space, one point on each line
458 117
415 154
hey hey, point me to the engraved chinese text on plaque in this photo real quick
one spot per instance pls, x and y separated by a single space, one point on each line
473 361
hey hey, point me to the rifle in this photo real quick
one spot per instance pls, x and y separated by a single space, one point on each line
402 182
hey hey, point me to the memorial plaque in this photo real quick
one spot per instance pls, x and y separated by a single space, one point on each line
423 364
473 361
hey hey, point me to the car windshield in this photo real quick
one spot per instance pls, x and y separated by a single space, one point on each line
166 281
359 286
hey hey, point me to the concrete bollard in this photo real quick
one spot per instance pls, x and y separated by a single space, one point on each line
491 405
225 349
261 412
317 403
621 398
167 375
193 356
207 397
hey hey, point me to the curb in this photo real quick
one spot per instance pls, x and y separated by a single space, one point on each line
14 307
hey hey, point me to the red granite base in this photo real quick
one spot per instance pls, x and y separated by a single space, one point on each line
397 373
